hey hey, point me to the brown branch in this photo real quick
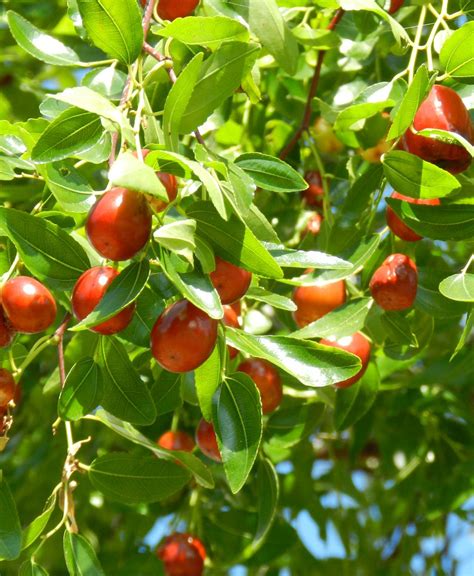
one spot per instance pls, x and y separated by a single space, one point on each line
306 120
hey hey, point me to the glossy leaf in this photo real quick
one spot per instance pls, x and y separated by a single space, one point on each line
207 379
166 392
237 418
275 300
310 363
457 55
80 557
271 173
69 187
82 390
210 32
459 287
129 172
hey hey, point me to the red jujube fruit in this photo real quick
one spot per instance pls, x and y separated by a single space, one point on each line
183 337
119 224
182 555
171 9
397 226
231 282
315 301
207 441
178 440
356 344
89 291
28 305
7 388
395 283
268 381
314 194
442 110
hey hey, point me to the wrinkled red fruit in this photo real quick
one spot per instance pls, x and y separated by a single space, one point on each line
6 331
443 110
266 379
7 388
314 194
89 291
182 555
171 9
315 301
207 441
231 319
356 344
183 337
395 5
178 440
231 282
397 226
119 224
394 284
28 305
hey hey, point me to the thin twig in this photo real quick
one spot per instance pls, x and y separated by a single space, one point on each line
305 122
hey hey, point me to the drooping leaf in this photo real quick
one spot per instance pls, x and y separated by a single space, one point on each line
82 390
207 379
34 530
80 557
459 287
10 529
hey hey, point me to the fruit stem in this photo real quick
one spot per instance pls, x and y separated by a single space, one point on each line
429 43
175 421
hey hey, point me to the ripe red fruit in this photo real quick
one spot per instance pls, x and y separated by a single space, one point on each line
207 441
171 9
395 5
183 337
119 224
443 110
356 344
28 305
6 331
314 194
7 388
178 440
315 301
89 291
397 226
182 555
231 282
394 284
266 379
231 319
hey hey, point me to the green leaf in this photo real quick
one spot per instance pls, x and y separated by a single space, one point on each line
449 137
198 468
320 39
114 27
47 251
123 290
34 530
178 99
288 258
233 241
344 321
39 44
221 74
416 93
466 333
82 390
69 187
266 22
354 402
414 177
268 490
73 131
166 392
271 173
129 172
275 300
80 557
125 394
6 170
30 568
457 54
450 222
459 287
179 237
207 379
205 31
352 117
397 329
195 287
119 475
287 428
10 529
237 417
148 307
310 363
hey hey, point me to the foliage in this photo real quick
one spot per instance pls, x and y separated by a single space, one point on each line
238 102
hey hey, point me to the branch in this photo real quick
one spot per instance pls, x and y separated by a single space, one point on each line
305 122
